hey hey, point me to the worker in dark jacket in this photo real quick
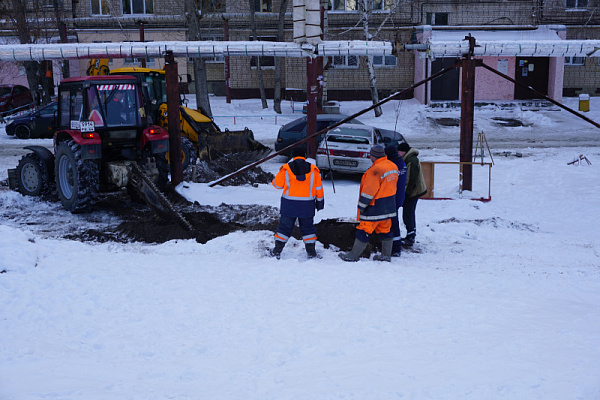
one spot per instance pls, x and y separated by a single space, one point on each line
392 154
302 194
376 206
415 188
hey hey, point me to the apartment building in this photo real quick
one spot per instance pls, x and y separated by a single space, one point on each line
344 77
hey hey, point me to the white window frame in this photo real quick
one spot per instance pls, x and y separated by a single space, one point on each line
572 60
145 12
264 5
433 15
99 2
343 5
344 62
385 5
384 61
579 5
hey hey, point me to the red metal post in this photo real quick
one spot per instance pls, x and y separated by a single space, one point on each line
467 106
172 78
312 94
227 76
142 39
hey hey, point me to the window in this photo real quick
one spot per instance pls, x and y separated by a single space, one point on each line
574 60
100 7
383 5
138 7
211 5
263 6
343 5
268 62
345 61
576 4
384 61
437 18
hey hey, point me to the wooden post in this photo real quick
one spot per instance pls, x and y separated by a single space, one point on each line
467 105
173 118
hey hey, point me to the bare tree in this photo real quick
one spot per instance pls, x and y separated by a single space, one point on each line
200 82
279 60
28 20
261 85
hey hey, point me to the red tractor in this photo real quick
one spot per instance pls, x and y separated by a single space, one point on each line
103 142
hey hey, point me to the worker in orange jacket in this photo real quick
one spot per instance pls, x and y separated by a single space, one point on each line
376 206
302 194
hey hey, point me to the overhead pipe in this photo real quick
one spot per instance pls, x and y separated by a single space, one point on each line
521 48
36 52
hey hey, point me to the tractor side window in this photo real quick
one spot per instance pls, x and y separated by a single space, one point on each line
64 108
76 104
94 107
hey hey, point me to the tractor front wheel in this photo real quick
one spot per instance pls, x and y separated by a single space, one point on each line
77 180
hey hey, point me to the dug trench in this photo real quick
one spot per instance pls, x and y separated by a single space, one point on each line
138 223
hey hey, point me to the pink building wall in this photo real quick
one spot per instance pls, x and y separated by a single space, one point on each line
489 86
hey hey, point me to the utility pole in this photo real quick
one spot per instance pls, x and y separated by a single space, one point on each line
467 105
173 118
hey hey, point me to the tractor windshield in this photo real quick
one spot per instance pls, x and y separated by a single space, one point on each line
114 105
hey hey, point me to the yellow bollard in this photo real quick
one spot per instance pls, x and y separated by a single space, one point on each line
584 102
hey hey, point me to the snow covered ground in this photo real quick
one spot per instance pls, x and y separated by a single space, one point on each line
501 302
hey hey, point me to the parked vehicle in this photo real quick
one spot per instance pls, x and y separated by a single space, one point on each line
295 131
14 96
38 124
346 148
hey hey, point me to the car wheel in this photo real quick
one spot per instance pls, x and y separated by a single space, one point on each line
23 132
32 176
76 179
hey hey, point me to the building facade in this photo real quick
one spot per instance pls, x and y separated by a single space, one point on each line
344 77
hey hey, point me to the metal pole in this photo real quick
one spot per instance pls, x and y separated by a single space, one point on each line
467 105
312 94
142 39
227 76
173 118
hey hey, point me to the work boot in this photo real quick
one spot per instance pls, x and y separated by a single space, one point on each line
354 254
397 248
311 251
386 251
276 251
409 240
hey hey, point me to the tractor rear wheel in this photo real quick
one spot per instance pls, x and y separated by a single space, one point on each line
77 180
32 176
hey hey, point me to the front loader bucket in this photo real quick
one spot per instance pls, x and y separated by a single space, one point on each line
213 143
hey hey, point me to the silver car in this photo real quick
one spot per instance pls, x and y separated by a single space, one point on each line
346 148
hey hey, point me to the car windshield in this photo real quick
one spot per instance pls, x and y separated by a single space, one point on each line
4 90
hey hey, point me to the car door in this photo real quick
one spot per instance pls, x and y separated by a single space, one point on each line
44 122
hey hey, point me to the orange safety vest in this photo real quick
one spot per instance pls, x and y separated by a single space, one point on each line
302 188
377 200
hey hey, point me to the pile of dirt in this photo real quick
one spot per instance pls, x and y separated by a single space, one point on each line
209 171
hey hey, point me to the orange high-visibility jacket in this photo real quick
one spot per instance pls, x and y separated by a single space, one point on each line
302 188
377 200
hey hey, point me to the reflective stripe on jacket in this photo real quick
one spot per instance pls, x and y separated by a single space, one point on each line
377 199
302 188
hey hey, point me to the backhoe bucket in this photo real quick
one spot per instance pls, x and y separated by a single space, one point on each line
214 143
